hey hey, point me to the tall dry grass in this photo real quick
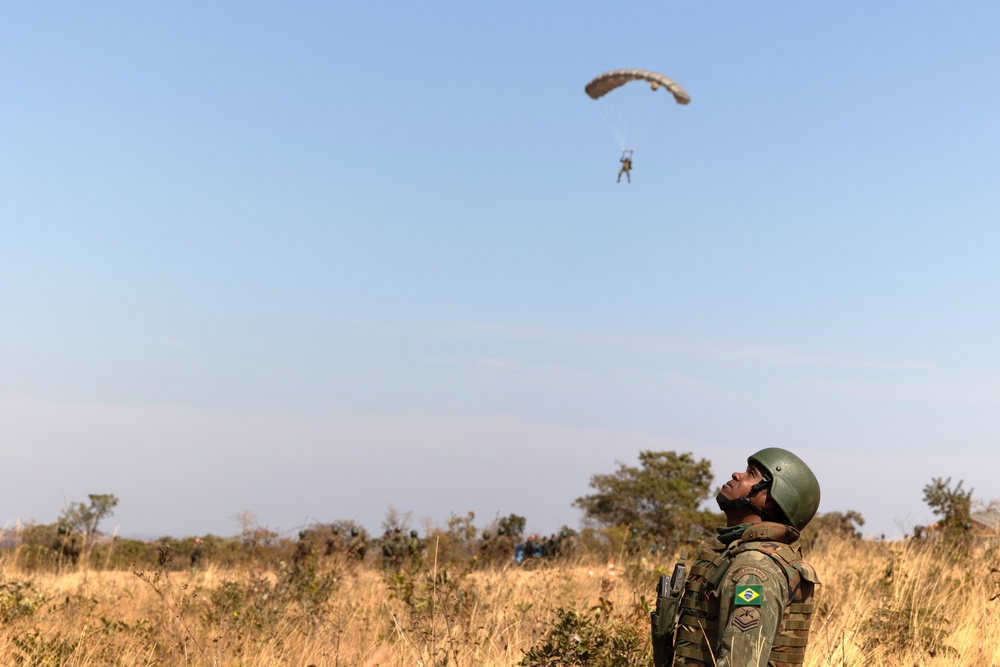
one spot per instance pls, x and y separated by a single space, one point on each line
910 603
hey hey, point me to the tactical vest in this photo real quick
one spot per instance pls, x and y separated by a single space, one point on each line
699 607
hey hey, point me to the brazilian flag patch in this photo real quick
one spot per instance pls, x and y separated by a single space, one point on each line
749 596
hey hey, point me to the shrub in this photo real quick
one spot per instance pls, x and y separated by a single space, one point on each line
592 639
18 599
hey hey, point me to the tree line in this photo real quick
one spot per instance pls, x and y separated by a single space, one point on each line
662 503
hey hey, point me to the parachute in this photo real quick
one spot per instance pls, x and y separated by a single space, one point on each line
605 83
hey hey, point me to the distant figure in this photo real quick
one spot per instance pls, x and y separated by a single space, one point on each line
68 544
532 548
356 547
633 542
392 550
196 553
415 548
626 169
303 559
334 542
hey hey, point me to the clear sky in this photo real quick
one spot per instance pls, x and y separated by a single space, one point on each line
316 259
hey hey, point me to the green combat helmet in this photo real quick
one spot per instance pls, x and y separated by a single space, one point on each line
794 487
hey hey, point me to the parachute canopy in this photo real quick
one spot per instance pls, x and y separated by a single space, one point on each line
605 83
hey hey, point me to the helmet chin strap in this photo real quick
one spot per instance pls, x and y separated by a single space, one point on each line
727 504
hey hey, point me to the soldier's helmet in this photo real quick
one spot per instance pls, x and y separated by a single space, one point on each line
413 533
354 530
302 534
794 487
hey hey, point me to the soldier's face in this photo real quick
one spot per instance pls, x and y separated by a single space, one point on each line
741 483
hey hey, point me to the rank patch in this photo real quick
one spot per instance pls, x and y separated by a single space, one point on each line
746 619
749 596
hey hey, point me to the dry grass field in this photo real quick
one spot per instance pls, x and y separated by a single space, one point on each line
909 603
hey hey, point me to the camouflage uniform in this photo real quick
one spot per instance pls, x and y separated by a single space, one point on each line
69 544
415 548
334 542
563 544
748 598
626 169
304 556
633 542
357 545
392 550
503 546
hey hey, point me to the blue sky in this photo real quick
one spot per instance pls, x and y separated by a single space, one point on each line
314 261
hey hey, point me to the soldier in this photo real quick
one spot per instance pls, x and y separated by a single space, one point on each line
748 598
356 545
563 544
302 561
398 545
196 553
532 548
503 546
415 548
334 542
626 169
491 549
488 549
633 543
392 555
68 543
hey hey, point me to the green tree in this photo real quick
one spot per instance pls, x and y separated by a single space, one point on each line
845 525
86 518
952 504
514 525
660 498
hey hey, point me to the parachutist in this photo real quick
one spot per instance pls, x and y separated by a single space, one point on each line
603 84
626 169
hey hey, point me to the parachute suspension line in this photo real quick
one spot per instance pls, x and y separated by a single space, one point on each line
615 124
621 123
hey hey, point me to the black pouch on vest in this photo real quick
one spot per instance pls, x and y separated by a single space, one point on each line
664 619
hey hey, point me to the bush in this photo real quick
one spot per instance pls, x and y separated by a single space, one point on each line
18 600
591 639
